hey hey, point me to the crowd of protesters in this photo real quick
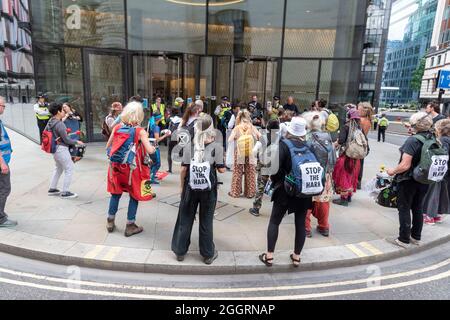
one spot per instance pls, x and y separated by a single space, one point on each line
316 158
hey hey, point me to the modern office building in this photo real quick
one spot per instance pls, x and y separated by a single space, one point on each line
411 29
438 57
94 52
378 17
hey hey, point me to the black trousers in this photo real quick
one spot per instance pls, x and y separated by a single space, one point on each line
172 145
278 213
361 173
381 134
190 201
41 125
5 190
410 200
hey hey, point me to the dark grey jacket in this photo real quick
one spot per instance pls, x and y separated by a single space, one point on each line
59 129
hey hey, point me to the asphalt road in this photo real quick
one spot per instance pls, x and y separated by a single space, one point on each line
395 139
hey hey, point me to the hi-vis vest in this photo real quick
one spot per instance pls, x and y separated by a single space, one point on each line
223 110
162 110
5 144
43 108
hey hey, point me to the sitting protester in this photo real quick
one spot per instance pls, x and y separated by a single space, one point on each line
126 167
410 193
61 155
200 184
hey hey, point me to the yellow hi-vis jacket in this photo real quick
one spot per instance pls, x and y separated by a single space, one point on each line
162 110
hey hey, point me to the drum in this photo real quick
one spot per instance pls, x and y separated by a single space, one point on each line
77 153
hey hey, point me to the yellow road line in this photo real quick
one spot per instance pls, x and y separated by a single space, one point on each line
356 250
112 253
94 252
370 248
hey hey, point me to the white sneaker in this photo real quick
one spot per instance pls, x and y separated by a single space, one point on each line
399 243
415 242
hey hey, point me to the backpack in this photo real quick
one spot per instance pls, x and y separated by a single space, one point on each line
199 176
106 131
357 144
226 119
332 122
49 143
324 150
307 177
433 163
123 149
245 143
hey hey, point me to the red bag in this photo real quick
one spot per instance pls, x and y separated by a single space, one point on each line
132 179
48 141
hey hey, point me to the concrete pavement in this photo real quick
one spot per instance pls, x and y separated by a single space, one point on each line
73 231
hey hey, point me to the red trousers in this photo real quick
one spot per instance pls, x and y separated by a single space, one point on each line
321 211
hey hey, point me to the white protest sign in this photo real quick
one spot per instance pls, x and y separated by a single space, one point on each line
199 176
312 174
438 168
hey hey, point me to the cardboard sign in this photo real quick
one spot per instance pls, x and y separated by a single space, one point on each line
438 168
199 176
312 174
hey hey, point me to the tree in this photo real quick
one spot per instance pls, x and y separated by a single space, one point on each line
417 76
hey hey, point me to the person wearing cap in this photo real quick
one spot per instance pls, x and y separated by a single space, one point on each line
276 103
42 114
179 102
282 202
346 171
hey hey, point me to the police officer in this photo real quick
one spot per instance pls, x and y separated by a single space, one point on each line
220 113
42 113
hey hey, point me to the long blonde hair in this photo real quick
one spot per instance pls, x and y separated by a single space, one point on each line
243 117
204 131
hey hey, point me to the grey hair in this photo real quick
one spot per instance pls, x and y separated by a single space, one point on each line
421 121
204 131
314 122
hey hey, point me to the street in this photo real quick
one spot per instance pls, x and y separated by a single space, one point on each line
423 276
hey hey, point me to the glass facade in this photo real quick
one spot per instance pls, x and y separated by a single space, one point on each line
94 52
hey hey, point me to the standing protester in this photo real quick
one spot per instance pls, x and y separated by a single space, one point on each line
199 188
5 174
42 114
366 112
410 193
283 201
154 133
383 125
72 120
290 106
232 114
263 178
323 148
120 177
434 110
437 199
244 136
110 120
285 121
346 172
62 156
174 123
159 112
220 113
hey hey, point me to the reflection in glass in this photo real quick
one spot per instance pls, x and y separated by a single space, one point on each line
339 81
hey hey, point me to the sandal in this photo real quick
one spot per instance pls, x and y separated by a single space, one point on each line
295 261
267 262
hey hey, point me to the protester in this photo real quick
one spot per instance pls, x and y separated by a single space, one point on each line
324 150
366 112
159 112
73 120
346 172
244 136
111 119
437 199
5 174
383 124
290 106
255 104
154 133
232 114
119 174
257 116
174 124
42 114
434 110
282 201
276 105
62 156
220 113
199 180
285 121
410 193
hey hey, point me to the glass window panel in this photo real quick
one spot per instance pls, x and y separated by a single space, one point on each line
174 26
299 80
245 28
223 65
324 28
339 81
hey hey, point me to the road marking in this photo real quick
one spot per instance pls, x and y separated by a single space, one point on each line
228 290
112 253
94 252
370 248
437 277
356 250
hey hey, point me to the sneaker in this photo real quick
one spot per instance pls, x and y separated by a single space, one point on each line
438 220
54 192
209 261
255 212
415 242
8 224
156 182
132 229
69 195
325 233
428 220
399 243
180 258
110 225
341 202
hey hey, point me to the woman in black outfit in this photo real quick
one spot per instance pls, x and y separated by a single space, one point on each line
282 202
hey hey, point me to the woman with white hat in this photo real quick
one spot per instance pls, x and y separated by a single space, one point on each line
284 202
